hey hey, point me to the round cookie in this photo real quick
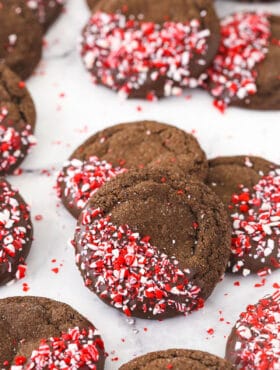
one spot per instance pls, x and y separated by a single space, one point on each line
125 146
178 359
17 121
249 187
149 49
20 37
46 11
32 327
16 233
152 245
254 340
245 72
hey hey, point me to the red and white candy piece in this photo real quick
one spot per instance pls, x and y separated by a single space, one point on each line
124 268
81 179
256 224
258 335
78 348
124 53
245 41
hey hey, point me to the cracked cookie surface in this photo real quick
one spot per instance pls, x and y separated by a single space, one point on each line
179 359
123 147
150 223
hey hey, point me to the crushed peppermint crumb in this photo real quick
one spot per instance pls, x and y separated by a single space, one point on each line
14 235
13 144
124 53
78 348
256 221
258 335
125 269
79 180
245 41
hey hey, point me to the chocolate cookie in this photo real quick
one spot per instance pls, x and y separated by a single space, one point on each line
17 121
46 11
20 37
249 187
125 146
39 333
149 49
178 359
254 340
246 70
152 245
16 233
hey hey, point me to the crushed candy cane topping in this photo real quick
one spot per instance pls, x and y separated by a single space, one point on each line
15 226
258 336
124 53
245 41
78 348
256 224
13 144
79 180
125 269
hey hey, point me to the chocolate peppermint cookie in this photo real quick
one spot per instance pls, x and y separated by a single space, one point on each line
246 70
17 121
149 49
39 333
250 188
178 359
20 37
46 11
254 340
121 147
16 233
152 245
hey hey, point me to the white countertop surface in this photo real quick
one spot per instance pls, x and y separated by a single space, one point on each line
70 109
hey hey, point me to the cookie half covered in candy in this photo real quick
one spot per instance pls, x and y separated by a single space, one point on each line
151 245
119 148
17 121
39 333
16 233
246 70
149 49
254 340
250 188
